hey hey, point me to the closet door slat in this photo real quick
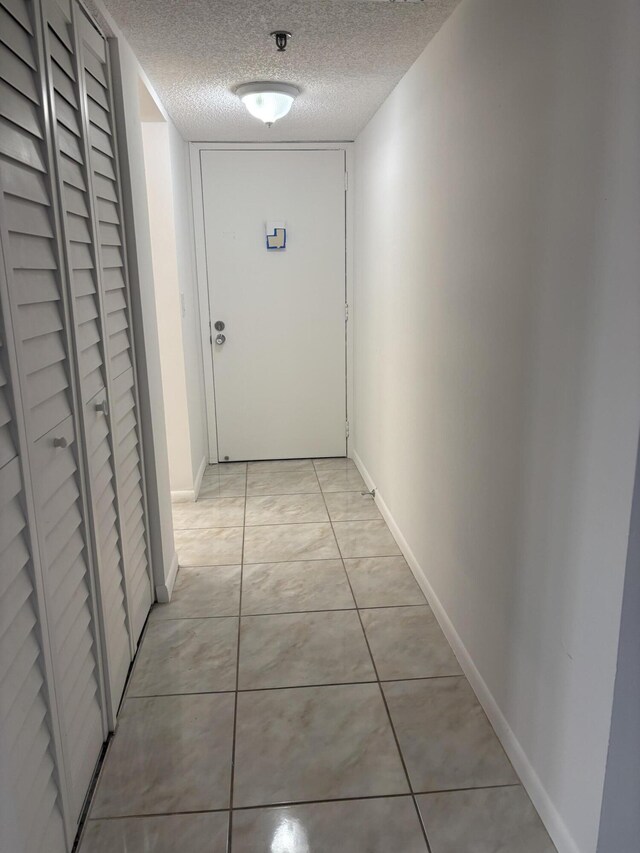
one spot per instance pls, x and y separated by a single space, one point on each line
95 74
86 307
36 299
31 811
32 805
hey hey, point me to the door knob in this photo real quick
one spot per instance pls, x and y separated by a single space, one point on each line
220 339
60 442
102 407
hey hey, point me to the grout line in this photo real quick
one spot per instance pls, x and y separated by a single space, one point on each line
235 615
299 560
235 703
290 803
294 687
384 699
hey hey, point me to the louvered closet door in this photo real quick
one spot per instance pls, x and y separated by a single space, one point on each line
30 807
80 239
40 326
121 365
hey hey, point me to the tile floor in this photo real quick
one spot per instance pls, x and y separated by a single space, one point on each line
297 695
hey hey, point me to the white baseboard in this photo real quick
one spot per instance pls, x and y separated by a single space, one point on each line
550 816
199 476
164 591
190 495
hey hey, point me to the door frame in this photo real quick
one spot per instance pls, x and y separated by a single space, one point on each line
195 152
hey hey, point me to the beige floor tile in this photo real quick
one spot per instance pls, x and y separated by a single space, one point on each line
293 483
169 754
285 509
335 463
407 642
345 479
289 650
281 466
380 825
193 833
279 542
492 819
295 586
215 546
445 736
365 539
222 483
383 582
202 591
186 656
314 743
351 506
217 512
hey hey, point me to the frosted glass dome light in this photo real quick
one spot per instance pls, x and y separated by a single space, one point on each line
267 101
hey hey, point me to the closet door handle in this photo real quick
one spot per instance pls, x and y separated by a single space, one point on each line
60 442
102 407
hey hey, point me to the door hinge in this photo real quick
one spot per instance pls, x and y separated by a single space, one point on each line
346 428
346 311
346 181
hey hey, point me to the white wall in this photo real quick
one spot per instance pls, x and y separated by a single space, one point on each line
168 302
187 283
497 358
171 224
126 72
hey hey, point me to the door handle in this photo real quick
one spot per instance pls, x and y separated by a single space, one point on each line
60 442
220 339
102 407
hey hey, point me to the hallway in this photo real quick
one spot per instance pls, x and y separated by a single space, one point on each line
331 716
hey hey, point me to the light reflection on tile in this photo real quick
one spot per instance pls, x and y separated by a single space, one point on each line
381 825
314 743
170 754
193 833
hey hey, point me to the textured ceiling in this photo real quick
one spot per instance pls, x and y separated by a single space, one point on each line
345 56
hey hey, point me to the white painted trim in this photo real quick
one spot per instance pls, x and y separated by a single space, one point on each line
164 591
552 820
198 483
195 149
179 496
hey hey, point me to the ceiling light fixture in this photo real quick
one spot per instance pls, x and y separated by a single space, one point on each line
267 101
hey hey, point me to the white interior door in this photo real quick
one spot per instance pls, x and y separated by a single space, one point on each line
279 374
